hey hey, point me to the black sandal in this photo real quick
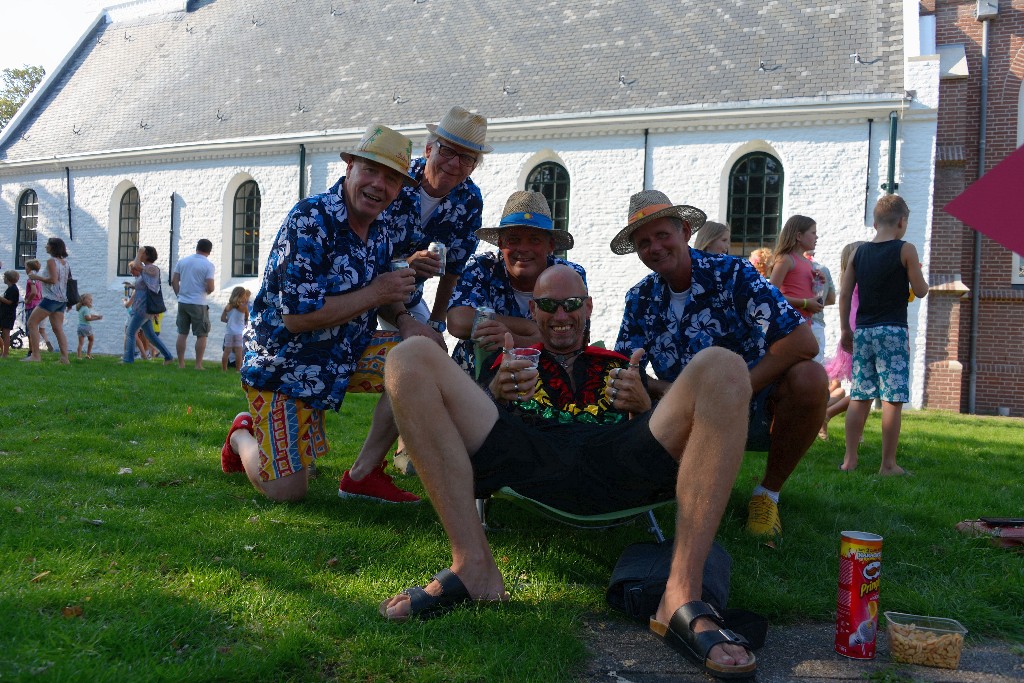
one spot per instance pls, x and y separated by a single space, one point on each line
426 606
679 635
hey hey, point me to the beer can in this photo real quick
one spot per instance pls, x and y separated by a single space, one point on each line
439 250
860 569
482 313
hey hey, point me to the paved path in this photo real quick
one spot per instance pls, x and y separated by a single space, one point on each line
623 652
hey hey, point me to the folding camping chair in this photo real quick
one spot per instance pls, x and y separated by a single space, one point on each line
598 521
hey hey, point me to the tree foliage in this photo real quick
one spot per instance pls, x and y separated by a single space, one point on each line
18 85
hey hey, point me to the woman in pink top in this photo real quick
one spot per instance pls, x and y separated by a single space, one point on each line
791 272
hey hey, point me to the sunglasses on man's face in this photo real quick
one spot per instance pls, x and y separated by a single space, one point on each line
569 305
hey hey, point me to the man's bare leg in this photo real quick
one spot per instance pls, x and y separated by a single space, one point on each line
702 421
799 410
444 417
382 434
856 418
291 488
201 351
179 348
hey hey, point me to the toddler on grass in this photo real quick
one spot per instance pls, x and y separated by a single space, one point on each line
882 270
8 310
236 315
85 318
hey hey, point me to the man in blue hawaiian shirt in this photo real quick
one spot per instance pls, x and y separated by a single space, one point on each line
444 206
504 280
326 278
694 300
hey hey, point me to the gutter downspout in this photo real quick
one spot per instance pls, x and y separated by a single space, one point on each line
972 372
67 176
170 244
645 185
891 185
302 172
867 176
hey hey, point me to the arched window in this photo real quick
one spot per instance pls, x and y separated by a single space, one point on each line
552 180
245 232
28 220
127 230
755 202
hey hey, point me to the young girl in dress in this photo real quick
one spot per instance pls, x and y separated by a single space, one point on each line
840 366
33 295
791 272
85 318
236 315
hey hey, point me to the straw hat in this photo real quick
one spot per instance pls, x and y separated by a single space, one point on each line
464 129
645 207
387 147
528 210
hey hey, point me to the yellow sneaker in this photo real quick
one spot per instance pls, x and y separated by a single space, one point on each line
763 517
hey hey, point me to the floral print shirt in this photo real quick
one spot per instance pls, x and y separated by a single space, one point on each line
555 401
315 255
730 305
485 282
454 222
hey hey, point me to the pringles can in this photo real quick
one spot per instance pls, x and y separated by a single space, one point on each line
439 250
860 569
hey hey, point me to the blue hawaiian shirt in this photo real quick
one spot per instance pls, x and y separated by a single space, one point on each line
730 305
454 222
485 282
315 255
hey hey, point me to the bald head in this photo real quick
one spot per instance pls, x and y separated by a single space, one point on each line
558 282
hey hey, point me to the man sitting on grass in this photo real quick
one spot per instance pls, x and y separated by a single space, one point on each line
560 435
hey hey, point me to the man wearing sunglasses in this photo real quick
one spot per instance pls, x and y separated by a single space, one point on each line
692 301
579 434
504 280
445 206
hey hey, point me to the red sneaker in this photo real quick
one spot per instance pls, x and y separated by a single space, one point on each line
376 486
229 460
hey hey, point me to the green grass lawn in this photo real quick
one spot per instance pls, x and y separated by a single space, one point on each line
176 571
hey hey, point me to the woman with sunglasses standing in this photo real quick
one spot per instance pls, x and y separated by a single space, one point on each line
54 301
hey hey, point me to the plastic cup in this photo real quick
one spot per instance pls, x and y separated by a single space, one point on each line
532 355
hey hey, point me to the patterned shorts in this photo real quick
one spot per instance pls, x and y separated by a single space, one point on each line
881 364
290 434
85 330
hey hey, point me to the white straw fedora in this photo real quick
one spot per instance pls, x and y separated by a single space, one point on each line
528 210
648 205
464 129
387 147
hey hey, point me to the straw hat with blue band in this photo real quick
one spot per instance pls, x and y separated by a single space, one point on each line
386 147
464 129
527 210
647 206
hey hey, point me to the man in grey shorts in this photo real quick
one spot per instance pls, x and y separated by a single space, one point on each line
192 281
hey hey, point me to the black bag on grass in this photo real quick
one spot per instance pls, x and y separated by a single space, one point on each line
639 578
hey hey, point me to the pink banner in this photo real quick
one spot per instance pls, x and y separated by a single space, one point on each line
994 204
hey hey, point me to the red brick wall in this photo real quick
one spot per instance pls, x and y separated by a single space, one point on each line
1000 336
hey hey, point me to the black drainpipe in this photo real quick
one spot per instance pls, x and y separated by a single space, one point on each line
891 185
67 176
170 244
867 177
302 172
645 158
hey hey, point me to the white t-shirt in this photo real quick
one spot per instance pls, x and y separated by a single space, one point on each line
427 205
193 272
678 302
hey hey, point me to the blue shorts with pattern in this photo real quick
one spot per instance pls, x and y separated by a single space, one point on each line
881 364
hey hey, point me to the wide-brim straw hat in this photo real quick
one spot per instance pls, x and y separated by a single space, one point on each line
387 147
529 210
464 129
647 206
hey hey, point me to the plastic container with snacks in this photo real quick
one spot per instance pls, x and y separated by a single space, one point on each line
930 641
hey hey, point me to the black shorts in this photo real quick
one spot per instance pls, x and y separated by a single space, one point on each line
578 468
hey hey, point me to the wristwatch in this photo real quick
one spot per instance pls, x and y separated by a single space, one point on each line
437 325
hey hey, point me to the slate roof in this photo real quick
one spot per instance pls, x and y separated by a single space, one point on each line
236 69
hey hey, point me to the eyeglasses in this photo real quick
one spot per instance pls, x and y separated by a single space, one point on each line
569 305
465 159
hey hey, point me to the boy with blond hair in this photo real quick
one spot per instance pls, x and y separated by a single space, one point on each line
882 270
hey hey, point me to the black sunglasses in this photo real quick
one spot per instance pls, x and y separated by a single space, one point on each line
446 152
568 305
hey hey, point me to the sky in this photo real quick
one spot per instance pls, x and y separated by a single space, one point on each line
41 32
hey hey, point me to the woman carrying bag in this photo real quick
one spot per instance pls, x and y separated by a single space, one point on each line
145 304
54 302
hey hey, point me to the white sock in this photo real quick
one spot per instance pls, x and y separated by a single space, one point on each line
762 491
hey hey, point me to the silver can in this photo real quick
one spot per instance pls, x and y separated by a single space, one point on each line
439 250
398 264
482 313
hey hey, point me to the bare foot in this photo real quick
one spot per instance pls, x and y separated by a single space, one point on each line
64 361
823 432
482 589
848 466
29 359
894 471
